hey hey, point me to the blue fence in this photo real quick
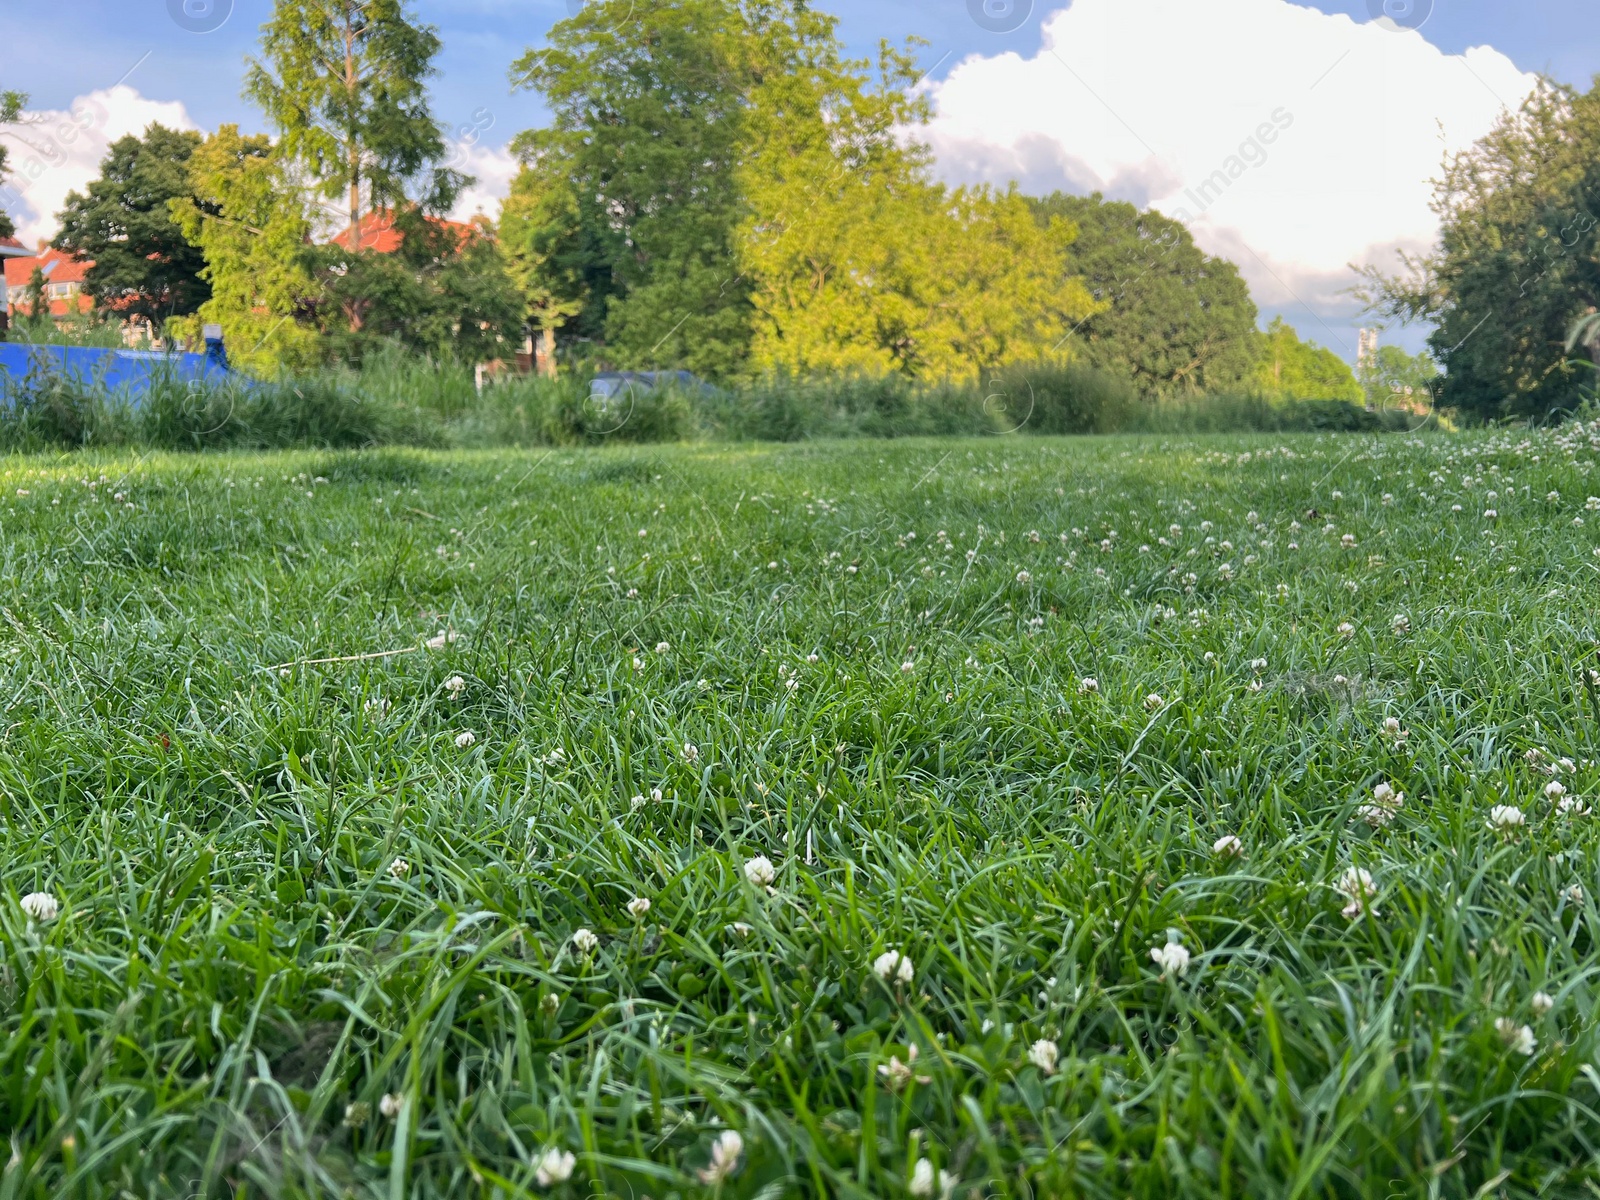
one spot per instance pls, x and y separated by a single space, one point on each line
126 371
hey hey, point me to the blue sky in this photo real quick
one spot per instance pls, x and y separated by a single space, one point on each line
78 47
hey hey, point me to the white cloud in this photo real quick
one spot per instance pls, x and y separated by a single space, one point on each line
493 167
1171 104
53 152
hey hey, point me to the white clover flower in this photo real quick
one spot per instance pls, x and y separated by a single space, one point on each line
638 663
663 647
41 906
1228 846
1575 893
1401 623
584 941
554 1166
1356 883
465 738
1541 1003
1173 958
1153 702
638 906
636 803
355 1115
389 1106
1506 819
740 928
908 666
1572 806
760 871
1391 729
1024 577
691 752
399 868
1258 665
455 685
1044 1054
896 1074
1348 540
925 1181
1554 790
1346 630
655 795
1088 685
725 1153
1519 1038
891 964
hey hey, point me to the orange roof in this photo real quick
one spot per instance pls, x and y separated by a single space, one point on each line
377 232
58 267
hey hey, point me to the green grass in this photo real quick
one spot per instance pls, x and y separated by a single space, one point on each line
198 762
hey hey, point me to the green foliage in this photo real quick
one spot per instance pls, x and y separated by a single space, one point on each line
784 408
444 292
11 105
1067 397
251 224
1173 319
741 199
308 945
344 82
144 265
1395 379
1303 370
1516 263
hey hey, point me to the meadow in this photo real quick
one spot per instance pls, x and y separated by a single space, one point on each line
1134 816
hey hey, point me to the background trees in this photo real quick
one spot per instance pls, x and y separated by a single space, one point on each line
344 82
1172 318
1303 369
1516 265
144 265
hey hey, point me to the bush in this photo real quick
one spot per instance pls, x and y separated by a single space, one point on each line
1056 398
786 409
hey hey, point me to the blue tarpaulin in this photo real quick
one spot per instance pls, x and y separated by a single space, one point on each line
116 370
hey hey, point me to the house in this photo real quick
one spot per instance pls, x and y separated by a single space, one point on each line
377 232
63 279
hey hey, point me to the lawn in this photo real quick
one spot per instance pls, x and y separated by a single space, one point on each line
1025 817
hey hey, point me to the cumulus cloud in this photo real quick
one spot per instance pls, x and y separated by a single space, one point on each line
54 152
493 167
1289 140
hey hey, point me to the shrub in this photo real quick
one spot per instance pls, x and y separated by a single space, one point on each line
1056 397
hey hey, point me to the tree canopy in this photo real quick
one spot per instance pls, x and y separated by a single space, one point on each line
143 264
344 82
1303 370
1517 263
742 200
1173 318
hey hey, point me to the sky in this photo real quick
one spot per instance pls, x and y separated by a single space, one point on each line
1292 138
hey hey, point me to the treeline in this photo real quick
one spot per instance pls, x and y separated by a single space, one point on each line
720 188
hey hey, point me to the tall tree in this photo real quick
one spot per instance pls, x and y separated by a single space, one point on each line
251 222
556 259
1303 370
345 84
1517 263
1174 319
648 102
11 106
143 264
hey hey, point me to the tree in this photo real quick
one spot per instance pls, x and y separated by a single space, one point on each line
1395 378
143 264
443 291
555 259
251 223
344 83
1517 263
648 101
1173 318
1301 370
11 105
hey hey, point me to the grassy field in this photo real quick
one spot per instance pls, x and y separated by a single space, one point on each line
1015 818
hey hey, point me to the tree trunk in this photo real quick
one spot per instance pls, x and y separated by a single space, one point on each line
547 353
351 85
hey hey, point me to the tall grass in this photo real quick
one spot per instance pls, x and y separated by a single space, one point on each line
396 398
